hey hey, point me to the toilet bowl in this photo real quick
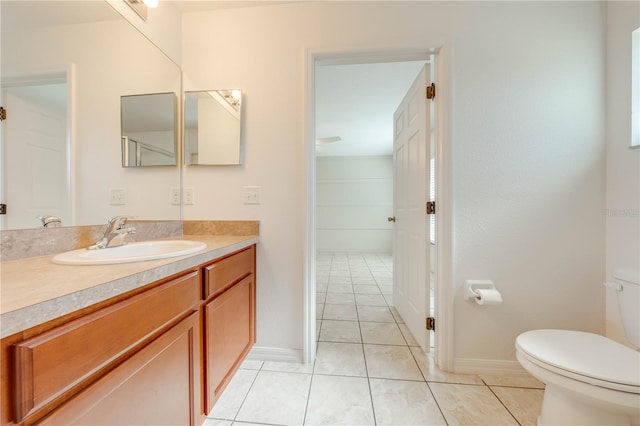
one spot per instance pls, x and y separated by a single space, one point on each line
590 379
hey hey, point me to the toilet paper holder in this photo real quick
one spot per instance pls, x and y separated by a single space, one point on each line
472 285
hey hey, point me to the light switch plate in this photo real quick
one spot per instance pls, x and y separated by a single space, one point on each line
118 197
251 194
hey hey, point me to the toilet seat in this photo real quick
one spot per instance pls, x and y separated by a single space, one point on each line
586 357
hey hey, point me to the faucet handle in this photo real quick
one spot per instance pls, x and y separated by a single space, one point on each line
117 222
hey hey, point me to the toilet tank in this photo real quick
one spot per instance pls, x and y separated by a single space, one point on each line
628 285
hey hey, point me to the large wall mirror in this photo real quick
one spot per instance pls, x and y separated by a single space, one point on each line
65 67
213 127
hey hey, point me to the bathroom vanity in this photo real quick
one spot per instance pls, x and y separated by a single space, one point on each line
141 343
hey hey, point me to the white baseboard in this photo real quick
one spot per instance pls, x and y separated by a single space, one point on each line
488 366
260 353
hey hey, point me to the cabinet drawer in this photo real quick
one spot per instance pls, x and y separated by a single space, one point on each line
55 361
153 387
223 273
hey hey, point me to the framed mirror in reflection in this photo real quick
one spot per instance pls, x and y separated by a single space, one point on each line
65 67
213 127
148 130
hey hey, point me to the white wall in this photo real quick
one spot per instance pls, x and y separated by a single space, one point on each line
354 200
623 163
528 146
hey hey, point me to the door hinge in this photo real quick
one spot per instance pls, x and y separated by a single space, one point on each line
3 114
431 323
431 91
3 209
431 207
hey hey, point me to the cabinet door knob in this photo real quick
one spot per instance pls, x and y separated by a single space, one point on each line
391 219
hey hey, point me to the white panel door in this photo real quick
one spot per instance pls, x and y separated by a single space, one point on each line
35 176
411 152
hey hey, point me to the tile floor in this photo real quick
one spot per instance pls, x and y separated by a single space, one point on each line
368 369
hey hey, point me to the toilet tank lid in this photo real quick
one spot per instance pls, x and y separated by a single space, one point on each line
628 275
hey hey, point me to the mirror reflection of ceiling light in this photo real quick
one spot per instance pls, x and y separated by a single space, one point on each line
141 6
320 141
233 97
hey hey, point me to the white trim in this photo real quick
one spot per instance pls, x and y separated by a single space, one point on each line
261 353
309 255
488 366
444 250
444 293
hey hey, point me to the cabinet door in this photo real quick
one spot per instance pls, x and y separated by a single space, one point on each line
156 386
229 322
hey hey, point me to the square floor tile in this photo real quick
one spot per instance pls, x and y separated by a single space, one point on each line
396 315
524 404
391 362
523 381
217 422
434 374
278 398
340 359
370 300
411 341
382 333
339 288
399 402
288 367
319 310
249 364
340 299
320 296
338 400
340 331
387 290
375 313
366 289
470 405
340 312
231 399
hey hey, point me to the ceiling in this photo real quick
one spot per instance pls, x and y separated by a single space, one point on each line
356 102
188 6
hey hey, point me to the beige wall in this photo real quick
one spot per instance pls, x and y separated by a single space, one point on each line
528 151
623 163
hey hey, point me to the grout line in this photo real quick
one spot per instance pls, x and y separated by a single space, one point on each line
503 404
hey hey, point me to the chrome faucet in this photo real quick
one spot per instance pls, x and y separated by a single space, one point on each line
114 234
50 221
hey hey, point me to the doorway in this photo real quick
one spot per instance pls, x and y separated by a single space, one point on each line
36 181
317 236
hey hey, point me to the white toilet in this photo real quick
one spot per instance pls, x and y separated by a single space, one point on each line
590 380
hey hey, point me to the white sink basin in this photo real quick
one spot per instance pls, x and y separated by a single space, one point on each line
132 252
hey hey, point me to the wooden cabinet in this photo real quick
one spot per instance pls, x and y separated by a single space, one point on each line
158 355
53 362
153 387
228 320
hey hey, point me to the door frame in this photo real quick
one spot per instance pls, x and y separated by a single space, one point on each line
442 69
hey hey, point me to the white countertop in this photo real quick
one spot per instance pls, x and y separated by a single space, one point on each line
36 290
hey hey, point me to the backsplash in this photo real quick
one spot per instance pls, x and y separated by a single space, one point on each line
24 243
221 227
